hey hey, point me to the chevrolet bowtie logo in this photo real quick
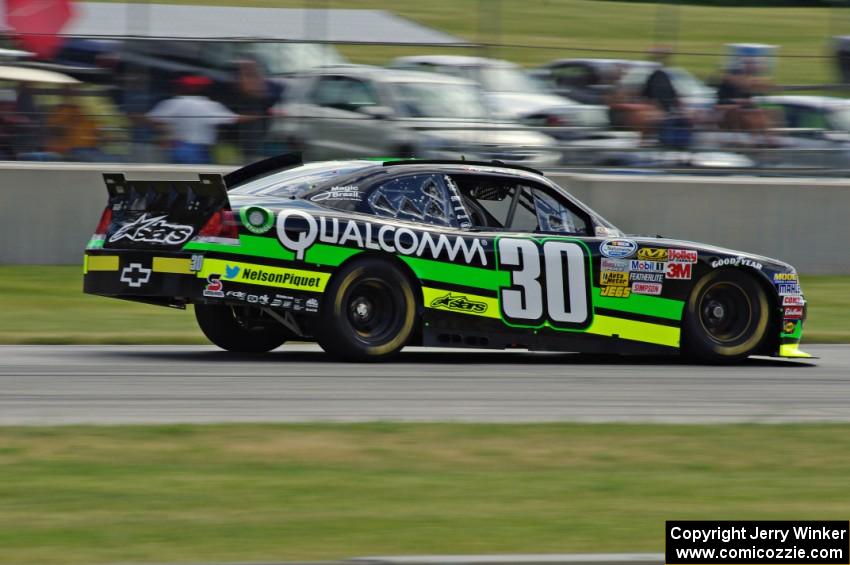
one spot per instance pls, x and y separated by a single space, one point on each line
135 275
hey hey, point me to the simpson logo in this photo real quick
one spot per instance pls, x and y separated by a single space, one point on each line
615 291
682 255
614 264
298 231
652 254
458 303
647 266
647 288
618 248
153 230
736 262
646 277
679 271
793 301
785 277
214 286
789 289
794 312
614 278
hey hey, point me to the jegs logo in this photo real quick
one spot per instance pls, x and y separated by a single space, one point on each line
153 230
459 303
298 230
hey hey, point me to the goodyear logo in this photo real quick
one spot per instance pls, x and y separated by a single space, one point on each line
459 303
297 279
615 278
652 254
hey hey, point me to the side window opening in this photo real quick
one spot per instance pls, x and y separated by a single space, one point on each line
418 198
509 204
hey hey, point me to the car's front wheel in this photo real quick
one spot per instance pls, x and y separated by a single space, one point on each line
726 318
369 312
240 329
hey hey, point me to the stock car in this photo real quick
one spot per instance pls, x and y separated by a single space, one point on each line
368 256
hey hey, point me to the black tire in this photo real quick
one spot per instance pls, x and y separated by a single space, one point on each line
231 329
368 313
726 318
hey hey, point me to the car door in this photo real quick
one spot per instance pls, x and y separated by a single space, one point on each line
340 128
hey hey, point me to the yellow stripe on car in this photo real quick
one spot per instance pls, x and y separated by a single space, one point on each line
792 350
172 265
100 263
264 275
636 331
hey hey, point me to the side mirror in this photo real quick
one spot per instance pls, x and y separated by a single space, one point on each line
377 112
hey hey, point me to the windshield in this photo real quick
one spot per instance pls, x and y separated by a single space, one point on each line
300 180
285 58
438 100
840 119
506 79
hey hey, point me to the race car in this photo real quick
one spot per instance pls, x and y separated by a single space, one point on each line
366 257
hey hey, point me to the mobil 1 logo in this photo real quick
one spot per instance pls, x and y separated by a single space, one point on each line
549 282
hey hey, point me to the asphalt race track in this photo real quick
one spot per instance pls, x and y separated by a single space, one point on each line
147 384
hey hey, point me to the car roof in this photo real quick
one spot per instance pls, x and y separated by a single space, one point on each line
602 62
454 61
383 74
819 102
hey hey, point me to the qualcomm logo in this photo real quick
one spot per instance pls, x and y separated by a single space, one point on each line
230 272
135 275
298 231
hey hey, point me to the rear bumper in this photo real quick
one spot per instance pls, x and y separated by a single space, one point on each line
163 278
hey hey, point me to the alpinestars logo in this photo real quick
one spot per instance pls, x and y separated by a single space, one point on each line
298 231
153 230
458 303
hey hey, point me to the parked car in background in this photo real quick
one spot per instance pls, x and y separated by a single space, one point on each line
353 110
510 93
589 81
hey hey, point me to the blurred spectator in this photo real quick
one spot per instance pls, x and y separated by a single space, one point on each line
135 100
628 110
674 127
735 106
72 132
256 96
9 125
192 120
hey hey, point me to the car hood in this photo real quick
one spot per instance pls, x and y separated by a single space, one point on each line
711 252
480 133
517 104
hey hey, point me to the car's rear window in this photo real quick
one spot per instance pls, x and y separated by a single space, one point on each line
300 180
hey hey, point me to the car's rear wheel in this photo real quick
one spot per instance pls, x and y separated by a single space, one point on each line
726 317
239 329
369 312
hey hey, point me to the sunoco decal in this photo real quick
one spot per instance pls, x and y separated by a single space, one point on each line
257 219
298 231
618 248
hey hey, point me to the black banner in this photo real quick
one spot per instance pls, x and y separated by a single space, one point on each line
757 542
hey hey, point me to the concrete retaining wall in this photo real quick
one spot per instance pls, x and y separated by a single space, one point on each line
48 211
802 221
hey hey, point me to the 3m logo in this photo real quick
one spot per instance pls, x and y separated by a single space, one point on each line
652 254
459 304
679 271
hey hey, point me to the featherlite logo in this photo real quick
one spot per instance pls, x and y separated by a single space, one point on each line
298 231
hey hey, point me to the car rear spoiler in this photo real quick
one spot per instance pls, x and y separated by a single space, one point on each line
262 168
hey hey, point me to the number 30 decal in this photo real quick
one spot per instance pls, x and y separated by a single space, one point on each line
557 292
